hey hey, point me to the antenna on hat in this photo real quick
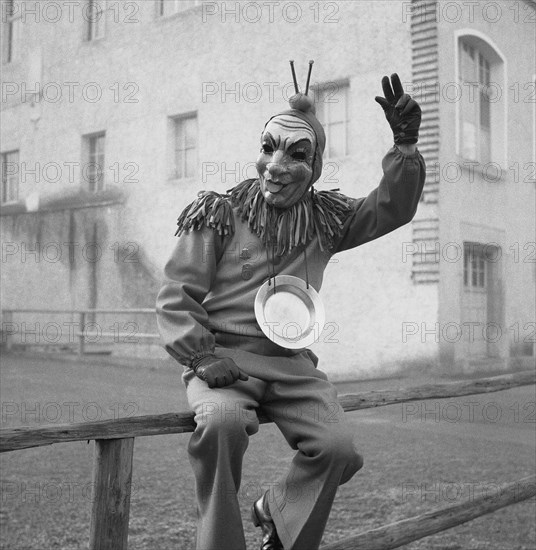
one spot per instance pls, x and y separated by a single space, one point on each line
309 76
299 101
296 89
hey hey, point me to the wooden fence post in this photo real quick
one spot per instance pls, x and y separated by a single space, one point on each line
7 322
112 478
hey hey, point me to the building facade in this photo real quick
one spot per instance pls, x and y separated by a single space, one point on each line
116 114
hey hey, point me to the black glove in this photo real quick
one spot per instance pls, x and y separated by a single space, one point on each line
402 113
217 372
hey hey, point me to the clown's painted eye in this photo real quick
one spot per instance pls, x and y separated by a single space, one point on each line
266 148
299 155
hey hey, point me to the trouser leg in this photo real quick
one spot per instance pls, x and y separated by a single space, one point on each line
310 417
225 419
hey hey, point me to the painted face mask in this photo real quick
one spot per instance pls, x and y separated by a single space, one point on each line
285 163
280 206
292 145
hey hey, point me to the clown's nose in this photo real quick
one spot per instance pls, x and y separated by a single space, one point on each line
276 170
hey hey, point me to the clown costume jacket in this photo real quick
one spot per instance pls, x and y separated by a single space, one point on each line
229 245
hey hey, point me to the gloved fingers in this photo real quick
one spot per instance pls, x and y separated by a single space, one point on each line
387 90
411 105
220 372
217 381
397 86
385 105
210 374
210 380
224 376
402 102
237 374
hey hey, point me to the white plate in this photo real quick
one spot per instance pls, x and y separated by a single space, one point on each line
289 313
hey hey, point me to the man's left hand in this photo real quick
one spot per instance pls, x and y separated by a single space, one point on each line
402 112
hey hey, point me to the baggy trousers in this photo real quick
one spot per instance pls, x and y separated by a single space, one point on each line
304 405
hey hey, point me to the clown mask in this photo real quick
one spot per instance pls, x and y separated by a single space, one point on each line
285 163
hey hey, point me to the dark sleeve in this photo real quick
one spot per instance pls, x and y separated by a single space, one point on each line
392 204
188 277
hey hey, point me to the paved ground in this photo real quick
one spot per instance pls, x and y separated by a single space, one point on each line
418 456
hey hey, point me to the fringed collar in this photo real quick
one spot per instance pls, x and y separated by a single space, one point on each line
320 213
210 209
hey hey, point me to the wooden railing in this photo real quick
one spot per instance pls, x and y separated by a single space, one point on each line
114 445
8 325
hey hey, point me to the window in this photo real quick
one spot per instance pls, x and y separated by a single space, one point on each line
332 111
93 170
11 23
184 146
95 16
481 104
474 266
10 177
169 7
476 108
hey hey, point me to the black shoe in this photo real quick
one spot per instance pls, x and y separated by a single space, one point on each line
262 518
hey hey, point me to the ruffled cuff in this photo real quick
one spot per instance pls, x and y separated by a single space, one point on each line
188 360
196 357
406 155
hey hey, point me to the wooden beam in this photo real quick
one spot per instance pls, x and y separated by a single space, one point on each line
135 426
81 337
403 532
370 399
112 480
147 310
12 439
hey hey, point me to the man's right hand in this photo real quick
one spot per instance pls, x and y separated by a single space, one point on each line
218 372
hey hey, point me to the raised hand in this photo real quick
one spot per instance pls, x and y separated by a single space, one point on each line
402 113
218 372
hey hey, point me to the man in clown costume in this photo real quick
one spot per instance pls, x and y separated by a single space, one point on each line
228 247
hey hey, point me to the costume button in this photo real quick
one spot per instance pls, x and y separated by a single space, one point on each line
247 272
245 254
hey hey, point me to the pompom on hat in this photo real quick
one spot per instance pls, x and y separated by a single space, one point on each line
303 107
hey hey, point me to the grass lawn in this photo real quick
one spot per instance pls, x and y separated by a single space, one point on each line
416 460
